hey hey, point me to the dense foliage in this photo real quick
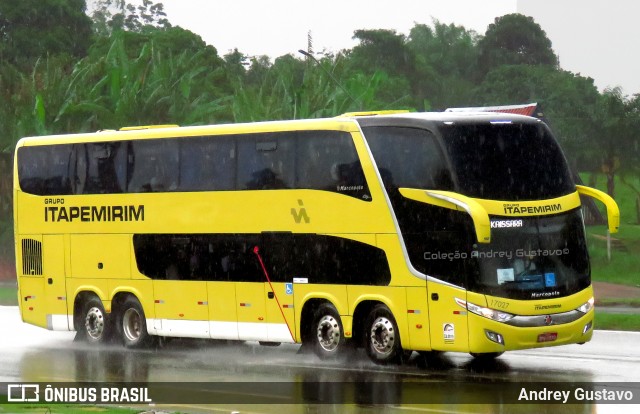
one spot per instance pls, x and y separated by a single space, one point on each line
62 72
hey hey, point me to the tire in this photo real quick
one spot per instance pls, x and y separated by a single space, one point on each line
382 339
326 333
94 324
133 324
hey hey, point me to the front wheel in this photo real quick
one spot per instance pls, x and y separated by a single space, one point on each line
326 332
133 324
382 336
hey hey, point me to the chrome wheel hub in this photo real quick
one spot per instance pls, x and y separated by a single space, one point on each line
382 336
328 333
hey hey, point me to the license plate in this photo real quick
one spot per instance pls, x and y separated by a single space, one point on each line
547 337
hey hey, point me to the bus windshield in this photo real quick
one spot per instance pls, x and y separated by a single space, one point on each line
528 257
507 161
532 257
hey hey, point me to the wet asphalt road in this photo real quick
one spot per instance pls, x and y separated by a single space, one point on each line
31 354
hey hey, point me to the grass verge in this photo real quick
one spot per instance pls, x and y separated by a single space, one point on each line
624 266
8 296
628 302
617 321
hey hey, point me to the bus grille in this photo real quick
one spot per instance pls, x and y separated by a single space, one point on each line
31 257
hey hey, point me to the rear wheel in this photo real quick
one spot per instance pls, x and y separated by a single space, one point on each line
382 336
133 324
94 325
326 333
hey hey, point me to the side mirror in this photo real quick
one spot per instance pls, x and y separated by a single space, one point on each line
455 201
613 212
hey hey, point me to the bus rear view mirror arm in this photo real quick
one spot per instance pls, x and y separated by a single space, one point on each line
455 201
613 212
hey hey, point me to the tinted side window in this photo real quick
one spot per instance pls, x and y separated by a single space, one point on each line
318 160
44 170
411 157
153 165
408 157
324 259
230 257
207 164
99 168
221 257
327 160
266 162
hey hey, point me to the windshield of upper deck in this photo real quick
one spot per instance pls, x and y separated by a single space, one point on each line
506 161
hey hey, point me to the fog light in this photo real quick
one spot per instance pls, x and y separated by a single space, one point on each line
587 327
494 337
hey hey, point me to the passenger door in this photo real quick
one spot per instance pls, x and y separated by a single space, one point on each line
281 325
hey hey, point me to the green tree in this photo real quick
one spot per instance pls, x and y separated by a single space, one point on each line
514 39
235 66
568 101
295 89
158 85
30 29
447 48
136 81
384 51
259 70
611 134
630 154
446 56
110 15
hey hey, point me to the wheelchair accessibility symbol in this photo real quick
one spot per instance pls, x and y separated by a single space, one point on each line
288 288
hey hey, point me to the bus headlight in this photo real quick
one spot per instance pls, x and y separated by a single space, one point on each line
587 306
493 314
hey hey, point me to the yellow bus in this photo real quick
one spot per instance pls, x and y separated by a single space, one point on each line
395 232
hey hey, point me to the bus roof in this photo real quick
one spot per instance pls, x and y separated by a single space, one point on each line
347 122
336 124
446 117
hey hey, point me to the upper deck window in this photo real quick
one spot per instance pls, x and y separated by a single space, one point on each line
408 157
45 170
316 160
507 161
